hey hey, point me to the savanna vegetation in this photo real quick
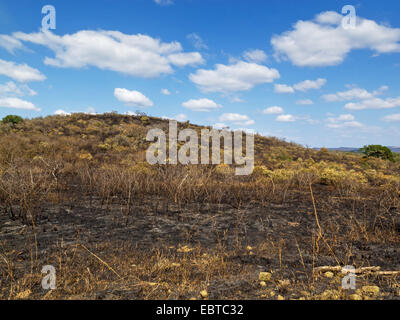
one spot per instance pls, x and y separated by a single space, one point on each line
77 193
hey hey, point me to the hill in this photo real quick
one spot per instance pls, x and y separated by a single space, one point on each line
77 193
352 149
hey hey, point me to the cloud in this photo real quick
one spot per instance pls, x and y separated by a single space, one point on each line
197 41
183 59
246 131
181 117
324 42
20 72
343 121
285 118
301 86
165 92
240 76
368 100
17 103
164 2
310 84
236 99
345 117
132 98
305 102
203 105
220 126
283 88
273 110
12 89
130 113
346 124
61 112
308 119
353 94
392 117
136 55
375 103
256 56
329 17
236 118
9 43
91 110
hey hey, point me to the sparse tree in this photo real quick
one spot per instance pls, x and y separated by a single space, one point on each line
12 119
377 151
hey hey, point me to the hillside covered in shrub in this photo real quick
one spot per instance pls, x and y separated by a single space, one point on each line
77 193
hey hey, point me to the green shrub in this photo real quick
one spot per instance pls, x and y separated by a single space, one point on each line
377 151
13 119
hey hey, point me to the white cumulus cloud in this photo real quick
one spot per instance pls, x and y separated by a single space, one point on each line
133 54
182 59
305 102
197 41
20 72
375 103
283 88
256 55
273 110
12 89
17 103
301 86
285 118
240 76
353 94
324 42
220 126
61 112
181 117
236 118
165 92
9 43
310 84
132 98
343 121
203 105
392 117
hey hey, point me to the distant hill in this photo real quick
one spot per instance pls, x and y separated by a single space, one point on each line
352 149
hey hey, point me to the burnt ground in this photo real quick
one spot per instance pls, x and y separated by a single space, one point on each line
280 238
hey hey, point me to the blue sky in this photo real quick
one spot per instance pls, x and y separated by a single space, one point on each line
282 68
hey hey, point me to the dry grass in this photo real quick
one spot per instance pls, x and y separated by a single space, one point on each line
97 162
